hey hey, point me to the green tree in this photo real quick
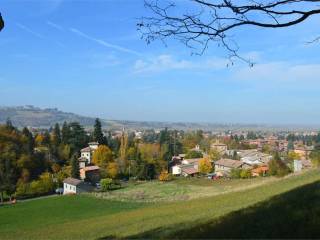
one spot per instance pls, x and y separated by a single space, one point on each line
77 137
75 171
277 167
29 140
315 158
56 141
214 154
194 154
65 133
97 132
245 173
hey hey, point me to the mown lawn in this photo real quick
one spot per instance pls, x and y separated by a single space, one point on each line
83 217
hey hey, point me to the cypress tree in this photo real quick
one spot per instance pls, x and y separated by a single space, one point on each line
65 133
97 132
57 135
30 139
75 170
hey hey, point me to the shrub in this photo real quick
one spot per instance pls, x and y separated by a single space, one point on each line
106 184
235 173
245 173
165 176
278 168
38 187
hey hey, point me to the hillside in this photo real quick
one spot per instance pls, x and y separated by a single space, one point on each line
289 205
37 117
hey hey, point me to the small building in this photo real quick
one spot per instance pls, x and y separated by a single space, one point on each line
72 186
176 170
254 157
93 145
303 151
297 165
82 162
196 148
306 163
219 147
189 171
90 173
188 167
226 165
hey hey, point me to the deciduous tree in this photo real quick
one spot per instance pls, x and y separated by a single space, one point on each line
102 156
205 166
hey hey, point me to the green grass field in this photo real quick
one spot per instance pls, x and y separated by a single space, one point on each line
86 217
180 189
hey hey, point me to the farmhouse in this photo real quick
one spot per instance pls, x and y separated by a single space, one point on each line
72 186
226 165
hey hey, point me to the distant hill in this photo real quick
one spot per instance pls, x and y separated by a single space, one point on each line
37 117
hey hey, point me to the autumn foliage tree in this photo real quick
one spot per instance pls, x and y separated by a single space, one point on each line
205 166
164 176
102 156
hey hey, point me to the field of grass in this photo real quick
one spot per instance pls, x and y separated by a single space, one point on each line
180 189
85 217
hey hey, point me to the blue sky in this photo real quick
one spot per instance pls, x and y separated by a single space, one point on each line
87 57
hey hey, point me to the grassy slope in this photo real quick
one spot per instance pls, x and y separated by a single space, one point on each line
181 189
102 219
294 214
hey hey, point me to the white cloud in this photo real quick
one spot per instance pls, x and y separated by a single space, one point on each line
23 27
167 62
279 72
104 43
54 25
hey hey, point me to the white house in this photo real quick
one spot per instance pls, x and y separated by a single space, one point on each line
72 186
176 170
254 157
188 167
87 153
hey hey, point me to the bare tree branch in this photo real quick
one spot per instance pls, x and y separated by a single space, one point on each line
214 20
1 23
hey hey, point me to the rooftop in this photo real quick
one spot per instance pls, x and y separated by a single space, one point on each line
72 181
90 168
229 163
87 149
